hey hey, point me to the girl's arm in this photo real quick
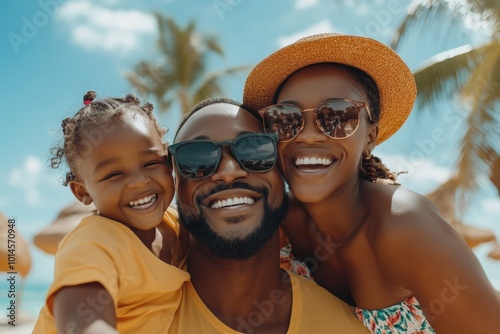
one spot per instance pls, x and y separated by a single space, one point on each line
86 309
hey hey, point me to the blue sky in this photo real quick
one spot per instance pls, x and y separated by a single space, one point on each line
53 51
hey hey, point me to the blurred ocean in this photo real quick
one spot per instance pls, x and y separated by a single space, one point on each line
29 298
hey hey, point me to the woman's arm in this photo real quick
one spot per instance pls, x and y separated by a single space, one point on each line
86 309
423 253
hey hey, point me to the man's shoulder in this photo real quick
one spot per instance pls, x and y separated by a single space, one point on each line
307 289
320 311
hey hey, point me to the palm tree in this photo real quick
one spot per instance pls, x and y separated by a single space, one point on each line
473 72
495 174
181 74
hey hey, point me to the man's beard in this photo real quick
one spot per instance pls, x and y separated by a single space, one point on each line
235 248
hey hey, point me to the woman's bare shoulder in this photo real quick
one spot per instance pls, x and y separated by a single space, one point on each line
402 210
421 252
409 226
412 238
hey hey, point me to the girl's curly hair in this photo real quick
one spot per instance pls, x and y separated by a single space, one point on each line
85 128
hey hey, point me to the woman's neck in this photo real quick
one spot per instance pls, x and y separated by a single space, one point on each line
341 215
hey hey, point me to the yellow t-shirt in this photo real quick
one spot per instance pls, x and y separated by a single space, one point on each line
145 291
314 310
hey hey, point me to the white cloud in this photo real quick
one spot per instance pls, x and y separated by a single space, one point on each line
320 27
110 2
421 175
94 27
492 206
303 4
27 178
359 8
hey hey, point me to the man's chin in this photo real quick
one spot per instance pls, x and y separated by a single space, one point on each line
238 244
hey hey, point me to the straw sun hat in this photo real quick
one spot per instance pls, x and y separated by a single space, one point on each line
392 76
68 218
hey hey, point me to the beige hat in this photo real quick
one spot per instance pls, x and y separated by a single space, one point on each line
68 218
392 76
16 259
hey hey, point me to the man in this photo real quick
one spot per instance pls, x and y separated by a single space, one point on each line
231 199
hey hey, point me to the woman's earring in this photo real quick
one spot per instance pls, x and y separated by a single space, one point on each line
367 155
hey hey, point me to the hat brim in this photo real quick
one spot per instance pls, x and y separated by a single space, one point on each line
68 218
394 79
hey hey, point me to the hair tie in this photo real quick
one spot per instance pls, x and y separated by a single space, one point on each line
87 102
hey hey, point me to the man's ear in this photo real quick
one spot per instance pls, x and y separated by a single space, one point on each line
80 191
371 139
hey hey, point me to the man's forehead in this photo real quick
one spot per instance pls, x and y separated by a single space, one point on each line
216 119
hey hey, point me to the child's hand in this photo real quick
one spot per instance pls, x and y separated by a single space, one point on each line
86 308
99 327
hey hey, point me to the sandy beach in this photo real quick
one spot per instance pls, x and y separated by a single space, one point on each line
23 325
26 328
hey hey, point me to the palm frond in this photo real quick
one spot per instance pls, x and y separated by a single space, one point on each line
486 80
210 87
495 172
164 104
191 28
445 73
486 9
482 132
425 13
137 83
474 75
163 34
180 75
150 79
213 45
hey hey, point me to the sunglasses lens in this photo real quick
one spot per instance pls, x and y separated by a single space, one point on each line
197 159
255 153
284 120
338 119
200 159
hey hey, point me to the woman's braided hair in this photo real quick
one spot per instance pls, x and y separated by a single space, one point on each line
87 126
372 167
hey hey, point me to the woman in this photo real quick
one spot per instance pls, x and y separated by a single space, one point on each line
370 241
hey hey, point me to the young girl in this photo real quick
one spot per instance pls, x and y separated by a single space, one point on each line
371 242
116 270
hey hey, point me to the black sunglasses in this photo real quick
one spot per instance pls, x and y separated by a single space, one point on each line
337 118
199 158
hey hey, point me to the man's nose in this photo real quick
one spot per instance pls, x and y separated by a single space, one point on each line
229 169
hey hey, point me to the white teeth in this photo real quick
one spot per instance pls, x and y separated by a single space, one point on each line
313 161
231 202
143 203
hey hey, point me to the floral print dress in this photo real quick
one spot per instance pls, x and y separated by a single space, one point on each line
288 261
404 317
